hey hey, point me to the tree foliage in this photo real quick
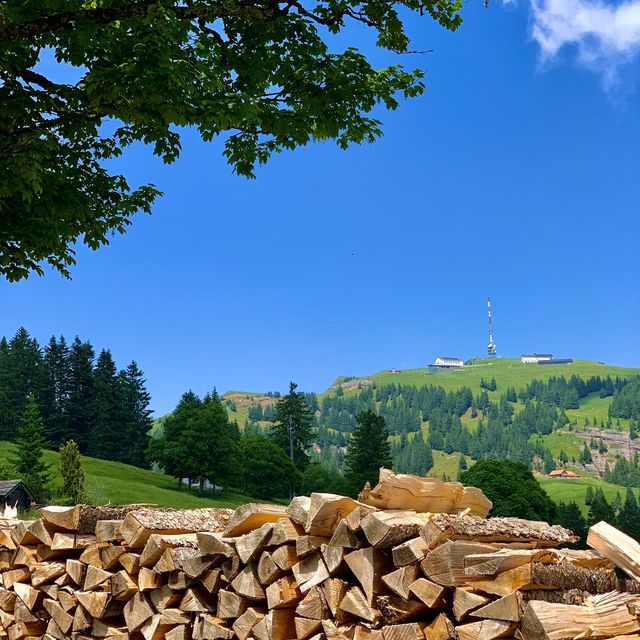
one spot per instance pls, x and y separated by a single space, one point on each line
29 457
73 489
512 489
368 450
292 429
270 74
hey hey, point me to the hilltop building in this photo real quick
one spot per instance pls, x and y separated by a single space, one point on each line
563 473
557 361
444 361
535 358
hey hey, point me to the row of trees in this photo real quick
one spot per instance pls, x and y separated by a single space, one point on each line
198 442
78 395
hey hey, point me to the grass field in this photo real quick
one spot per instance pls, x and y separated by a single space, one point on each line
123 484
574 490
446 463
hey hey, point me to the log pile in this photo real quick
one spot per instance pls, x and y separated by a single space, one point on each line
325 567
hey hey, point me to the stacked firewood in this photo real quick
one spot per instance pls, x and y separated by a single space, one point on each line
412 559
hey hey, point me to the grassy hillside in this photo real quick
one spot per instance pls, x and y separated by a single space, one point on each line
123 484
508 372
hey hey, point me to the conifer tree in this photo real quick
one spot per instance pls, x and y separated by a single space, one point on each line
105 429
54 398
29 459
136 415
629 517
73 482
81 391
588 496
292 430
367 451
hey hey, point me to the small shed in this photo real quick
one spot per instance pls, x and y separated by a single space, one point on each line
563 473
15 491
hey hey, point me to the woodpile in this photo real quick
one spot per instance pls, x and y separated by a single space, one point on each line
326 567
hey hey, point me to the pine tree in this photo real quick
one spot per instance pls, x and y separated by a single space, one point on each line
367 451
172 449
73 483
462 467
54 399
292 428
23 369
29 459
588 496
549 463
136 415
81 392
569 516
600 509
105 430
629 517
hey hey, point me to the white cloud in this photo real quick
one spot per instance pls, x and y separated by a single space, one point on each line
604 36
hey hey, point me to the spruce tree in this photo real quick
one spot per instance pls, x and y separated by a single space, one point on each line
292 430
136 415
367 451
73 482
29 459
629 517
105 429
80 405
54 399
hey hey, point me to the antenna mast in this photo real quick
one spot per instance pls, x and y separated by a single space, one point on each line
491 347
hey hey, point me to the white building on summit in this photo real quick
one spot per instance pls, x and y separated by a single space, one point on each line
443 361
534 358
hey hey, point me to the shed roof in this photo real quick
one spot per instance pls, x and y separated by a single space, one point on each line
7 486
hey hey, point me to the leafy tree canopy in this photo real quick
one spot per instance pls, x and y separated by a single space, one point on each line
268 72
512 489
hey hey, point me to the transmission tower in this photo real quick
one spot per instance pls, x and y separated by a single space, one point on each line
491 347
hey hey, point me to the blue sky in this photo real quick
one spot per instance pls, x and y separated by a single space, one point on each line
514 175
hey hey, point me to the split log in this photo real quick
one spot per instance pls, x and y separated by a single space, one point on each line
563 575
81 518
407 631
158 543
400 491
195 601
247 584
308 544
95 602
618 547
313 605
215 544
602 616
163 598
285 556
310 571
95 577
443 527
355 603
268 570
108 531
248 517
123 586
368 565
284 531
283 594
306 627
47 572
430 593
445 564
212 580
325 510
173 559
63 619
298 509
334 591
410 551
344 537
391 528
279 624
509 608
440 629
230 605
395 610
333 557
148 579
249 545
401 579
245 623
195 566
485 630
465 601
139 525
490 564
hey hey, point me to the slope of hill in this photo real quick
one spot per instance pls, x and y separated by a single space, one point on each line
508 372
123 484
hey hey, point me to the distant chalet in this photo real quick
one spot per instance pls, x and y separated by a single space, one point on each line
535 358
15 491
543 358
563 473
443 361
